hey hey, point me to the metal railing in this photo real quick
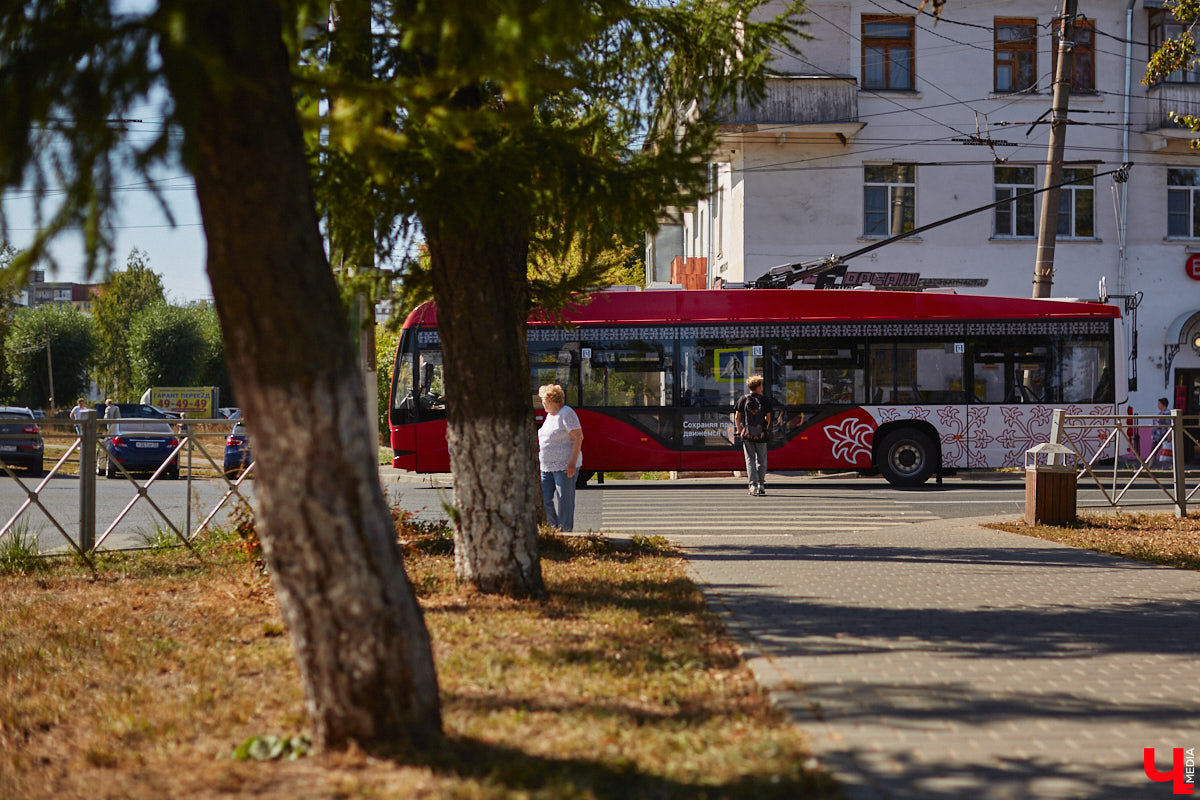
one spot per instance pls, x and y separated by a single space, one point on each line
78 446
1117 463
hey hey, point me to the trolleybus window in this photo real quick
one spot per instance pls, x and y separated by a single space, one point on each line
1085 373
918 372
431 389
628 373
402 390
551 362
713 372
1010 371
819 373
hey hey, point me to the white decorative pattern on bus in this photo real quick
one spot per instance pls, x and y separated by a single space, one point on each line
940 329
850 440
967 440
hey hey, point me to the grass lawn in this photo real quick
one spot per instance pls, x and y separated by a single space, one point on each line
163 677
1157 538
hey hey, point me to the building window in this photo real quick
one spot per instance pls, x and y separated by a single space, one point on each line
1183 204
887 52
1015 218
889 199
1016 55
1083 55
1076 209
1164 26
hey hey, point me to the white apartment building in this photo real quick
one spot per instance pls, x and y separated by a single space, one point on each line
887 120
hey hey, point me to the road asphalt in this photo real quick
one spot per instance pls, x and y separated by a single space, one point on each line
942 659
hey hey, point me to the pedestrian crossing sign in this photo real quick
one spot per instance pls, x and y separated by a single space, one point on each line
731 364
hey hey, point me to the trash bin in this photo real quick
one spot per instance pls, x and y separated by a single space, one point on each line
1049 485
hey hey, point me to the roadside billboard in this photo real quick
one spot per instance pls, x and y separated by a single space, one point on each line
197 402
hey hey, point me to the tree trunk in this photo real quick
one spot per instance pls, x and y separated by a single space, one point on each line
482 295
360 639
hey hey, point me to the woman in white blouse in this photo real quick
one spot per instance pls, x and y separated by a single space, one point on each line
560 451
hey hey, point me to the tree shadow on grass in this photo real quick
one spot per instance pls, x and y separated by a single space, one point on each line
522 774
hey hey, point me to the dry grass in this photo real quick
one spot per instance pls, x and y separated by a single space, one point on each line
141 682
1157 538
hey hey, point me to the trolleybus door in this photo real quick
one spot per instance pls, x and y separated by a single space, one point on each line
627 385
713 373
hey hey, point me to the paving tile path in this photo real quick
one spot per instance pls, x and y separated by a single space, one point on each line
940 659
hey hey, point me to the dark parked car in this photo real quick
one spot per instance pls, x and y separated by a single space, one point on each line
237 451
20 440
139 445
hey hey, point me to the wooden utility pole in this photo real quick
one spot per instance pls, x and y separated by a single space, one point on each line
1043 270
50 367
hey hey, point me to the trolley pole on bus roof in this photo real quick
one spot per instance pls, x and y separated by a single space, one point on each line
827 269
1043 269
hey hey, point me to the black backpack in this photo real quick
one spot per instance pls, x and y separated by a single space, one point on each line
755 418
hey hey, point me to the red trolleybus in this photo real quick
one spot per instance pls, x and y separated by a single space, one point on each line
903 382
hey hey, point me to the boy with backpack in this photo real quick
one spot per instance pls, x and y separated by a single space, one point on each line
752 417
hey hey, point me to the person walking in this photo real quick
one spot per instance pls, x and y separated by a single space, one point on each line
1159 432
752 417
111 410
560 453
78 412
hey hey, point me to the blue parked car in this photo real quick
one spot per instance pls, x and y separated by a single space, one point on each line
139 445
237 451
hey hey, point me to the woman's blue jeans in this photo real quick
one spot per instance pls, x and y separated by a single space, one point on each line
557 483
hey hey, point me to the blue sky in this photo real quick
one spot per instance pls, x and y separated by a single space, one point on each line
175 253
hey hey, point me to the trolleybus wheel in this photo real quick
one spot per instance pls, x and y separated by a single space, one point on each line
906 457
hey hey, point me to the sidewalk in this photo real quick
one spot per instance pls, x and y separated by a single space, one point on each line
945 660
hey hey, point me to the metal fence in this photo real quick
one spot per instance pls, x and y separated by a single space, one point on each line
1118 460
74 448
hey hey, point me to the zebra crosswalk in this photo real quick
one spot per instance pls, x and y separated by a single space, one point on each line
725 510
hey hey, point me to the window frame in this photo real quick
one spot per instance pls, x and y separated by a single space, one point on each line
891 187
1010 209
1070 196
1192 193
1089 48
1014 47
887 43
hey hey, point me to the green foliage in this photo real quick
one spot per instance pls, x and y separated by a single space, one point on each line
159 537
166 346
640 543
555 278
212 370
1175 54
527 120
125 295
273 748
72 342
245 526
385 358
20 552
10 287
